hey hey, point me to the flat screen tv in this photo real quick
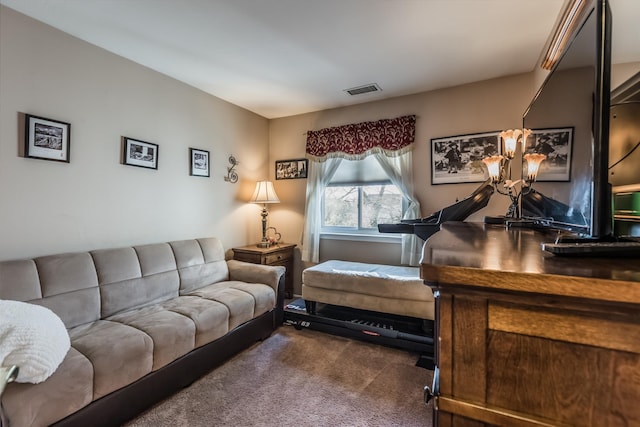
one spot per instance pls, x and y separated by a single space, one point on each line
569 117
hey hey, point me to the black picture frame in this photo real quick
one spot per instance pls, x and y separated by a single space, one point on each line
557 145
292 168
47 139
199 164
458 159
140 153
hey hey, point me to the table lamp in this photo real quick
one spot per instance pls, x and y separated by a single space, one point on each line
264 193
499 168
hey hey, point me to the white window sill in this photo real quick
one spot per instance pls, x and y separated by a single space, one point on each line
374 238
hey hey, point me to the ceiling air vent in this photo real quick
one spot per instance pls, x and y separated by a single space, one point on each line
373 87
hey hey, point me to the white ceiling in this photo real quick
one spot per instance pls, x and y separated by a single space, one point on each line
283 57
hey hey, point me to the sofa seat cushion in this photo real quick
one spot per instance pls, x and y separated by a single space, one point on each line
243 300
120 354
68 389
211 318
263 295
172 333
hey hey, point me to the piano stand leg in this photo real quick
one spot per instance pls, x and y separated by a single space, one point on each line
310 306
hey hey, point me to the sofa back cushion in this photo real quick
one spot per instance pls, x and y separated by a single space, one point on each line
200 263
66 283
135 276
86 286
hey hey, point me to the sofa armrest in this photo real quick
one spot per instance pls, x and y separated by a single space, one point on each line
256 273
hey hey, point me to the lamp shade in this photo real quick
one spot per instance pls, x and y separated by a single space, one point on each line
264 193
525 136
510 138
533 165
493 164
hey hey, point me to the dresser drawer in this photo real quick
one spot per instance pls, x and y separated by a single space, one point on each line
275 258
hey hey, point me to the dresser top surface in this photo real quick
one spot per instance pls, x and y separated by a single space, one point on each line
255 249
491 249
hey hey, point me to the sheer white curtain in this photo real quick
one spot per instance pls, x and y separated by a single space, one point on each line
399 168
320 173
325 150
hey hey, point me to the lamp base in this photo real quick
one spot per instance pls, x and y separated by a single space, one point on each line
495 219
520 223
263 244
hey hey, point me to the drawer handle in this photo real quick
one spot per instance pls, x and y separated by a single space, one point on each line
434 390
279 256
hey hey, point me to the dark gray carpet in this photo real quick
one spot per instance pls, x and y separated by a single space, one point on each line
303 378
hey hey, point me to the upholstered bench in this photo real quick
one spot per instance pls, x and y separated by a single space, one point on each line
374 287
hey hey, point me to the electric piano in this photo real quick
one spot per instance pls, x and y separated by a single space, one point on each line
459 211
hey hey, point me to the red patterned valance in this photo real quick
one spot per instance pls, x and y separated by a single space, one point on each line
355 140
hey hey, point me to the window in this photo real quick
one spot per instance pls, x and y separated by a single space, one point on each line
359 197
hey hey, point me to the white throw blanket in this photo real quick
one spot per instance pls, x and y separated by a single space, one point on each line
32 337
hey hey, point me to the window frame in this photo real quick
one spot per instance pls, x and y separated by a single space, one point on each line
359 230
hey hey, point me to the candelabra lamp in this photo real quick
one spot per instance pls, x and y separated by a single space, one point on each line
264 193
499 168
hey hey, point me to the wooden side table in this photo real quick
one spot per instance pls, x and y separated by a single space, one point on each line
279 254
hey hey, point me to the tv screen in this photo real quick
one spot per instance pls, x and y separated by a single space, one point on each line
569 119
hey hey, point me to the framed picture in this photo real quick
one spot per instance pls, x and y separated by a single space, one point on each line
140 153
292 169
557 145
199 162
458 159
47 139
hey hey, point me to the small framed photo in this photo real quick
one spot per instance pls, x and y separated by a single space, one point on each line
47 139
458 159
557 145
292 169
199 162
140 153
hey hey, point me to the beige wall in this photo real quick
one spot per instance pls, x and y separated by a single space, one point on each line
95 201
484 106
620 73
480 107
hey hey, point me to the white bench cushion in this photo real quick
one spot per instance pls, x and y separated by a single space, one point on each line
375 287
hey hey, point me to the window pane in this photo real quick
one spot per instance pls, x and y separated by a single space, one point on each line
359 172
341 207
381 204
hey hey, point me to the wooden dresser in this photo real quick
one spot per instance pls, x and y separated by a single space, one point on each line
524 338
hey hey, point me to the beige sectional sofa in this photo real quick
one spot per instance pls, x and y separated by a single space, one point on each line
143 322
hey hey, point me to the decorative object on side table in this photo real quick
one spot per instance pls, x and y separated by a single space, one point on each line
47 139
264 193
232 175
199 165
278 254
275 239
140 153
